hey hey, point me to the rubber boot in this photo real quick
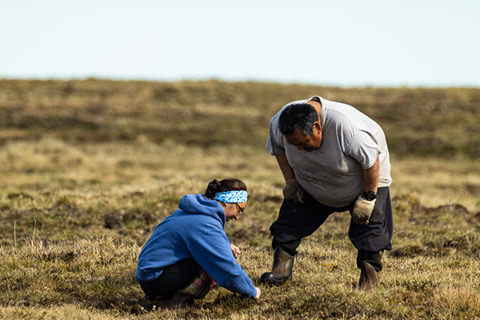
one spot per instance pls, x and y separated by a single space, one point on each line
368 277
370 264
281 270
197 289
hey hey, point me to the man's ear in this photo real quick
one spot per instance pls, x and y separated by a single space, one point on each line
317 126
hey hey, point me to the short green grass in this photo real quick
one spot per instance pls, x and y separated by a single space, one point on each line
89 168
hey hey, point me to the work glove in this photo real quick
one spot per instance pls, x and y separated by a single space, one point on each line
293 191
362 210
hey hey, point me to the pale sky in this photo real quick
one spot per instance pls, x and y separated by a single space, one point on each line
334 42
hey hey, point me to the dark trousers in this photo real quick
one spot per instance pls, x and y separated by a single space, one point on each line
173 278
296 221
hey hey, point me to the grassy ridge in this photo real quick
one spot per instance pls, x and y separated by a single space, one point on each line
88 168
417 121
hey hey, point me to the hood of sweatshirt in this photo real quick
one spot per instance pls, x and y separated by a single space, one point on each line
199 204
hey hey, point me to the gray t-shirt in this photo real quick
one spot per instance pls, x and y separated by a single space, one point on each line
333 173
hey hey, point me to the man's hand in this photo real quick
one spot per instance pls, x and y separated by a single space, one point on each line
236 251
293 191
362 210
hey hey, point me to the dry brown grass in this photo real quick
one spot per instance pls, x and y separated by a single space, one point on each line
88 170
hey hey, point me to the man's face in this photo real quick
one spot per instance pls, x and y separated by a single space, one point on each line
303 142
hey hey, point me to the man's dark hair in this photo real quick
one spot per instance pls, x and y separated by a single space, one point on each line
298 116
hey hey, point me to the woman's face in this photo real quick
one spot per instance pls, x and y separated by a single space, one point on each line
233 210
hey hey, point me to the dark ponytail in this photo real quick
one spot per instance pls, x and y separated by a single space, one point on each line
216 186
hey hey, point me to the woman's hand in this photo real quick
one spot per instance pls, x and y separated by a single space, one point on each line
259 293
235 250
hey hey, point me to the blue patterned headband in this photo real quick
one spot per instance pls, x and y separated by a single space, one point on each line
235 196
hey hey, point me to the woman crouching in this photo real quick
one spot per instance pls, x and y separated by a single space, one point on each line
189 251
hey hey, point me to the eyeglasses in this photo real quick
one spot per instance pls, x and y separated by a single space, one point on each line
239 208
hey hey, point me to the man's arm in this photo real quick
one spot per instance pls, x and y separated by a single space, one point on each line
364 206
287 171
292 190
371 177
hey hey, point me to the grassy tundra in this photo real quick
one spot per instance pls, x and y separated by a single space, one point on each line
89 168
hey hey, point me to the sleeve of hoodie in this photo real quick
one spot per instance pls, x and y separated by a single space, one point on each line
211 248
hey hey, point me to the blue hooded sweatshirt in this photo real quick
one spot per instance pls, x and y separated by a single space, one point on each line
195 231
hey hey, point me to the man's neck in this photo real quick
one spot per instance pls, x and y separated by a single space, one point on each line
318 107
